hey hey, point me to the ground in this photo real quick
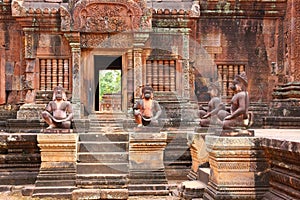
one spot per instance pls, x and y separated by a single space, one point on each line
18 196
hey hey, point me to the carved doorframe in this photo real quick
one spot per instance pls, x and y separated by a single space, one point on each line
88 67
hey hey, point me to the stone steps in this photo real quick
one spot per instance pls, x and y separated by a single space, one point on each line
61 195
103 157
177 158
102 137
106 168
103 153
103 146
103 180
54 183
55 189
143 192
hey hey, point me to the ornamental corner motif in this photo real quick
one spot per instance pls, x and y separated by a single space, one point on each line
65 19
17 8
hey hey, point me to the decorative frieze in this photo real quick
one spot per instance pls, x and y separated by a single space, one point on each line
121 40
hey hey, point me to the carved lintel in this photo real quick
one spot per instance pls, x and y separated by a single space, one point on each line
120 40
111 16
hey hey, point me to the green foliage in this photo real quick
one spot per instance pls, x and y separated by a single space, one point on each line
109 82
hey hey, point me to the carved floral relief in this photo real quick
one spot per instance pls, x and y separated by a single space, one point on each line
107 17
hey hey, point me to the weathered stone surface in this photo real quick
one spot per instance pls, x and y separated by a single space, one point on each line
146 167
177 157
198 151
82 194
236 162
192 189
19 158
58 168
146 151
114 194
283 158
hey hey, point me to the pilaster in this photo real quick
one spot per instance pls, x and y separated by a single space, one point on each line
139 42
74 41
185 65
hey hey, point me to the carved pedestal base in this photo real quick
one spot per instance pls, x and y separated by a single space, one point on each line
238 168
31 111
58 168
146 166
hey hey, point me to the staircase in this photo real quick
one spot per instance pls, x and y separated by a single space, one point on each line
55 183
103 153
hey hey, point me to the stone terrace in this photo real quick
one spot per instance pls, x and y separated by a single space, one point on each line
282 150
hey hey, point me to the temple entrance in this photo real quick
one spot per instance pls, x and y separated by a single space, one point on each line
108 83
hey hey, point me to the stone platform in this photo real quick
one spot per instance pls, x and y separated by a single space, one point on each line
282 150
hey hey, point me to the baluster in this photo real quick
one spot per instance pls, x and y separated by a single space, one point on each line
54 73
236 70
160 75
48 75
43 75
167 75
242 68
60 71
66 74
155 76
225 82
230 79
172 76
148 72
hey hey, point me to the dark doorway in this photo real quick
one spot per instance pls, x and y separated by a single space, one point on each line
107 76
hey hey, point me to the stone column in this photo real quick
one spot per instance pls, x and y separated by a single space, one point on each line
139 41
185 64
138 72
58 166
146 166
238 168
74 41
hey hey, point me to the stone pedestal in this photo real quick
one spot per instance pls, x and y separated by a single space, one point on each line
57 174
238 168
146 166
31 111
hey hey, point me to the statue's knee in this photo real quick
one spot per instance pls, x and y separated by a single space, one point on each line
66 124
45 114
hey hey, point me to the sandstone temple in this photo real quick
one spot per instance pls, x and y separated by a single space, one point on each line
178 47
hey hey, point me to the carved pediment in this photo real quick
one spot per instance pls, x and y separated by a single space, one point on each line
106 16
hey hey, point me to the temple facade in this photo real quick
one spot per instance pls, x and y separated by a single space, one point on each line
177 47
